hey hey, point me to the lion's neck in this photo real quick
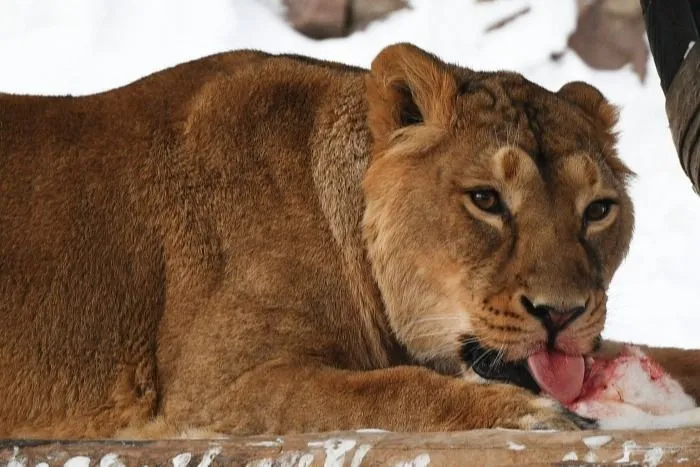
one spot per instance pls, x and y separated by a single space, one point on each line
340 159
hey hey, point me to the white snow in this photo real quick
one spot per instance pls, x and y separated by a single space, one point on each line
653 456
182 459
360 454
306 460
85 46
209 456
515 446
421 460
77 461
595 442
335 450
627 448
16 460
111 460
267 444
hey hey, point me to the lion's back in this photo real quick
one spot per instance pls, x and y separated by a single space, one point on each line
81 261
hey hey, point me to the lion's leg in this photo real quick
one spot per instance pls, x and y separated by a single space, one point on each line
681 364
280 398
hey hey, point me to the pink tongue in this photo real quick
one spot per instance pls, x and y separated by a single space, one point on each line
557 374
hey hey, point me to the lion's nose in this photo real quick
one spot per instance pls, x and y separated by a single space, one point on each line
553 318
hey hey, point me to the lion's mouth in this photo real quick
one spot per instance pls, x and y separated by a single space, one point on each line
488 364
554 373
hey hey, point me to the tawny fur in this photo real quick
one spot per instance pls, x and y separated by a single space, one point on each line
206 251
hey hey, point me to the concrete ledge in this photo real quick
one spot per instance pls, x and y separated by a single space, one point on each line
370 448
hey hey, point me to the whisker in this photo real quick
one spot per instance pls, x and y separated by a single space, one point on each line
441 318
470 340
481 357
449 340
450 320
497 361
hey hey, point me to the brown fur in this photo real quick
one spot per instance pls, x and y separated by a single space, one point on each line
219 247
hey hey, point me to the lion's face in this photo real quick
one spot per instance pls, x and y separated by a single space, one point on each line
496 210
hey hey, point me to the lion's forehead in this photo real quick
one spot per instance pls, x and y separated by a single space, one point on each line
520 131
507 109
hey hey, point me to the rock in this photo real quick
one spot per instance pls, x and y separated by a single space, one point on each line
363 12
319 19
610 34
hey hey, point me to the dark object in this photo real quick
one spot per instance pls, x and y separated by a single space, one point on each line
682 108
671 26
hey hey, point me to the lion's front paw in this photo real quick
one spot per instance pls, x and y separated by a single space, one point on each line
525 411
543 413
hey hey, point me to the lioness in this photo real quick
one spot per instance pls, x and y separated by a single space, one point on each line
251 243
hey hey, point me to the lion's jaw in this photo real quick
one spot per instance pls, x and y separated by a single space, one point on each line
448 271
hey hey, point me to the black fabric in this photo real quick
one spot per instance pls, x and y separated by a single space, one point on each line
671 25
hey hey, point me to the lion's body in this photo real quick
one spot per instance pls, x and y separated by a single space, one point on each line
137 236
190 247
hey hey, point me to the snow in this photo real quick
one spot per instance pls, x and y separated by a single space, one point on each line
335 450
515 446
209 456
182 460
653 456
86 46
360 454
77 461
595 442
422 460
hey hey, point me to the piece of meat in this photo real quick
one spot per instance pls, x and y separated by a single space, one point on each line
632 391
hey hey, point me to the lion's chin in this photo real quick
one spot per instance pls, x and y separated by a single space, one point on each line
487 364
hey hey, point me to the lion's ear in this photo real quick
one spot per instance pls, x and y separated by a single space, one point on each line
592 101
408 86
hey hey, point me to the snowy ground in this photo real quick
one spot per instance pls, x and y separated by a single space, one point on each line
84 46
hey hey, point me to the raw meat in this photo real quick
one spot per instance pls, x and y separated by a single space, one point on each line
631 391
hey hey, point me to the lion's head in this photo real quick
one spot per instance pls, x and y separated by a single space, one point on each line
496 210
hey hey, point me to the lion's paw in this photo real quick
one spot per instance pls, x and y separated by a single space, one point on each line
544 413
525 411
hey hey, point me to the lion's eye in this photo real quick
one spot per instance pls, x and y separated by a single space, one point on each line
598 210
487 200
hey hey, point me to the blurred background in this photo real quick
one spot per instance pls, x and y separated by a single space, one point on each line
86 46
